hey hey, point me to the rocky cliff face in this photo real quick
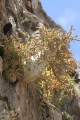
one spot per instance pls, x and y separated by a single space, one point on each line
20 101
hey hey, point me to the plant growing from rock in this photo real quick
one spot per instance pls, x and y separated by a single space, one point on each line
66 116
49 50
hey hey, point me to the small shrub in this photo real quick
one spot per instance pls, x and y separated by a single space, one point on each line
66 116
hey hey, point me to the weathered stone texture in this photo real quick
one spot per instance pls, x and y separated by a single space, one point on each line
20 101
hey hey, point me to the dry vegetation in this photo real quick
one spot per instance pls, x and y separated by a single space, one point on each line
55 76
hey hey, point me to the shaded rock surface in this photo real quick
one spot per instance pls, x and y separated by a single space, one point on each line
72 106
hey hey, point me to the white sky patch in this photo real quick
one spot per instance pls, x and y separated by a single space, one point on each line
68 18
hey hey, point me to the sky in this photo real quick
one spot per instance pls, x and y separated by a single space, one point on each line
66 13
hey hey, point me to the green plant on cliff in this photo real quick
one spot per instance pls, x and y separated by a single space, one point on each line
66 116
23 20
53 46
14 57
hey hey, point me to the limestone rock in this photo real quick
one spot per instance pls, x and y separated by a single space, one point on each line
22 99
1 66
28 6
56 115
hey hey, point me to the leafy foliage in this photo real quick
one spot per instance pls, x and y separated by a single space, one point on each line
55 79
66 116
14 56
55 76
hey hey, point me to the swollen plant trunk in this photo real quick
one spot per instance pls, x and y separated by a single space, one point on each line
36 67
